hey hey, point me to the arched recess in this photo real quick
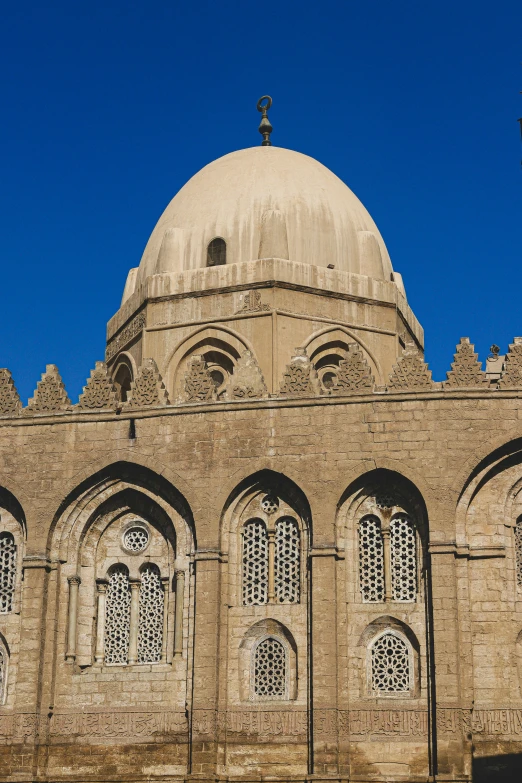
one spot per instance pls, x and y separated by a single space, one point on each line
123 373
376 630
13 534
5 675
279 508
249 669
327 347
89 536
221 348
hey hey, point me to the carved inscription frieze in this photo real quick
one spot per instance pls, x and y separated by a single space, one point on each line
497 723
118 724
125 336
365 724
280 723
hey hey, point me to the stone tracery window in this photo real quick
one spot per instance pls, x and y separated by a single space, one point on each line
255 563
150 628
7 571
117 616
403 559
390 665
371 560
270 669
518 551
287 561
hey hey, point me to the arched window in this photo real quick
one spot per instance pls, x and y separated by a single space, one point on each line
255 563
122 382
403 559
7 571
518 551
217 252
371 560
270 667
287 561
3 673
150 627
391 665
117 616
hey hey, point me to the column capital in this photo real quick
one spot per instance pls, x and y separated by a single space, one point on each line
102 585
74 580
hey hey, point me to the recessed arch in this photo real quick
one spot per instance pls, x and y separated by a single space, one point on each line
335 341
123 373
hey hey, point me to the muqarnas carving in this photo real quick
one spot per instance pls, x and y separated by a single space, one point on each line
411 372
147 389
300 376
199 384
354 375
50 395
99 393
466 370
512 375
10 403
247 381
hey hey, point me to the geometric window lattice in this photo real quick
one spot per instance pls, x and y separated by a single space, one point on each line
371 560
255 563
135 539
270 669
117 617
403 559
7 571
518 551
3 673
390 665
287 560
150 629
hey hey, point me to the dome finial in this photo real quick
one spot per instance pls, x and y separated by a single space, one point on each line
264 127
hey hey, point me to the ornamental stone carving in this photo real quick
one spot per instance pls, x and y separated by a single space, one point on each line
247 382
127 334
50 395
354 375
411 372
512 375
466 371
10 403
251 303
147 389
300 378
199 385
99 391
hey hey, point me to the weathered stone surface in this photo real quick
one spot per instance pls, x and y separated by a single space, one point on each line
411 372
512 375
50 395
147 389
247 380
99 391
466 371
354 374
300 376
10 404
199 385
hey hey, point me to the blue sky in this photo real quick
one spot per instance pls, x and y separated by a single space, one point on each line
108 108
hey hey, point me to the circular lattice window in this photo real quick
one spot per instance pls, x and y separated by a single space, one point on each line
135 538
270 504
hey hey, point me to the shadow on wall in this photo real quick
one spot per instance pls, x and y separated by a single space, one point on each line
502 768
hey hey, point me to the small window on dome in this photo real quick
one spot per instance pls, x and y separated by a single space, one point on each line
217 252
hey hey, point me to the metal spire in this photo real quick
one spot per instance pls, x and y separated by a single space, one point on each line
265 129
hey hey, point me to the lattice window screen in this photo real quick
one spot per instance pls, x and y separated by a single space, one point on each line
117 617
403 559
7 571
3 673
287 561
518 551
390 665
255 563
150 628
270 669
371 560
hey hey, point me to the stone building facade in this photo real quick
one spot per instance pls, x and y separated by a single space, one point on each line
264 543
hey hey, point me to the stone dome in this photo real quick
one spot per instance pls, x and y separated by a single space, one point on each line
315 216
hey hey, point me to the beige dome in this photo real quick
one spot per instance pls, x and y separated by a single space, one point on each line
316 217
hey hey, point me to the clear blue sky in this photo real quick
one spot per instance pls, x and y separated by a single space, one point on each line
108 108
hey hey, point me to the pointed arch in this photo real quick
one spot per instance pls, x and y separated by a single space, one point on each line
333 341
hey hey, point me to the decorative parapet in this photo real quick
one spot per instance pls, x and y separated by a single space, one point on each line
300 376
354 375
147 389
466 371
124 337
411 372
512 375
199 385
99 391
50 395
10 403
247 382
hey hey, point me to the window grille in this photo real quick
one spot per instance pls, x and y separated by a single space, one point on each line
390 662
403 559
371 560
518 551
117 617
135 539
287 560
3 674
217 252
150 628
270 669
255 563
7 571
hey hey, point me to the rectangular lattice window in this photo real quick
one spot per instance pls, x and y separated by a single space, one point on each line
287 561
7 572
403 559
255 563
371 560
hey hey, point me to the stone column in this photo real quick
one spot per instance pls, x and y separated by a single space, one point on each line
166 595
101 588
388 590
271 566
74 584
178 618
134 620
